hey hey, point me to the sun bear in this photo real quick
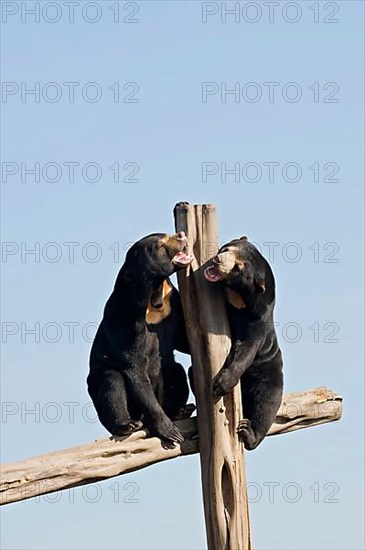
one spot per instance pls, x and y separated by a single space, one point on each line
165 317
133 375
255 357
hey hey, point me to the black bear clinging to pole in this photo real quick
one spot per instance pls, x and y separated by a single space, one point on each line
255 357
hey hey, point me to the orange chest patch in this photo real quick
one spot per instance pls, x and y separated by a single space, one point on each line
154 315
234 299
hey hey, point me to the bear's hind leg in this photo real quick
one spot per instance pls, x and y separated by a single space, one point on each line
176 392
261 399
112 405
249 436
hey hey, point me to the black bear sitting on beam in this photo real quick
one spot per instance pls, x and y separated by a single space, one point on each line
133 375
255 357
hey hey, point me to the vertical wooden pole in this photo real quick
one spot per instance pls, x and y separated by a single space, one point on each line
221 454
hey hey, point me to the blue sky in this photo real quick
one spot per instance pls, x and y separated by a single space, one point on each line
159 134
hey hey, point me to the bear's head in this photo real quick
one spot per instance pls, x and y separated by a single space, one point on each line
241 267
156 257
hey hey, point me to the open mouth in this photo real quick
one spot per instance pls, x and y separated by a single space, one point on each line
212 274
182 259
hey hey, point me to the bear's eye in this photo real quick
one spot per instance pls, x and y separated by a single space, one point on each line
160 246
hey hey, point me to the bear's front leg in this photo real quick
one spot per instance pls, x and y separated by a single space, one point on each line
224 382
238 361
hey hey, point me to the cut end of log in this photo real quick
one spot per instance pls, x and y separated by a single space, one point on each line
307 409
324 394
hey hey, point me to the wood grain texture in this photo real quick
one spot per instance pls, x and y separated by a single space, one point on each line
110 457
221 453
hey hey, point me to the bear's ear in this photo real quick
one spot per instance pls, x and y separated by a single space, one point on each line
244 238
130 266
259 285
127 275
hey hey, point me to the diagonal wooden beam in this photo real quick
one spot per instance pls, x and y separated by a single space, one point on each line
110 457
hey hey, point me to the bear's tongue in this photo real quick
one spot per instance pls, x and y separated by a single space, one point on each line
181 258
212 274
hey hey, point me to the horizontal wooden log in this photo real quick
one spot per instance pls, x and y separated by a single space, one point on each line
107 458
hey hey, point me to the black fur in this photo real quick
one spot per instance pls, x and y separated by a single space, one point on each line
171 333
133 375
255 357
